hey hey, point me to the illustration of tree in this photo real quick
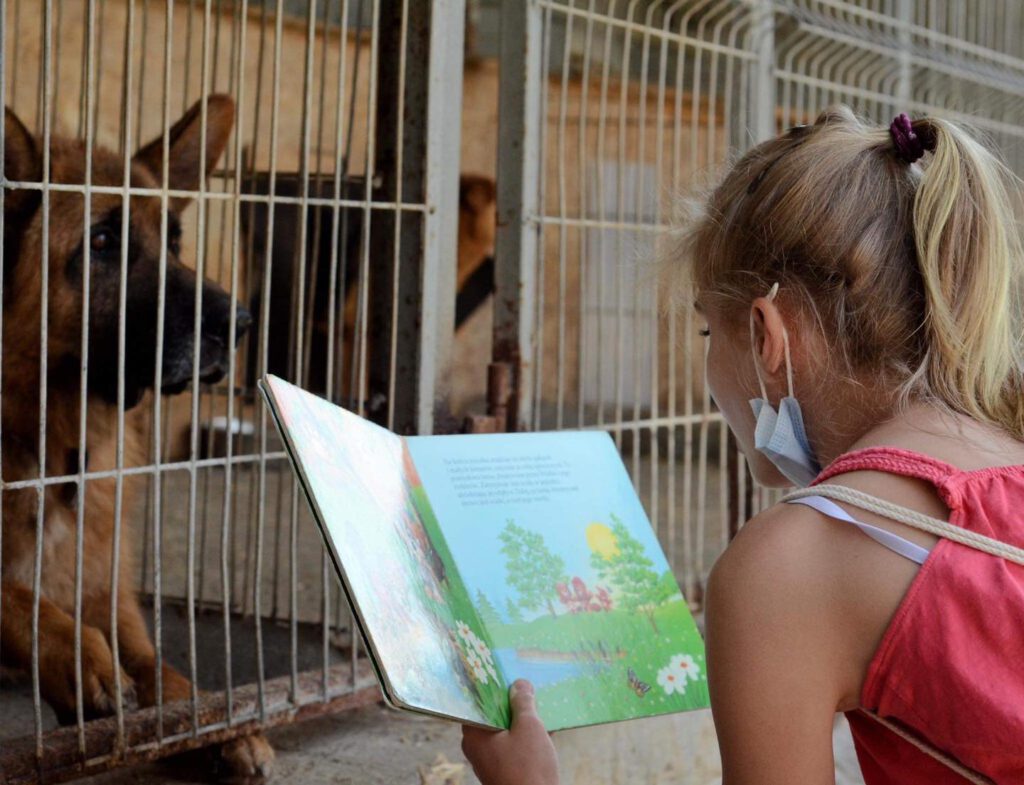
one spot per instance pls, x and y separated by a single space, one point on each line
628 570
488 613
668 587
532 569
515 616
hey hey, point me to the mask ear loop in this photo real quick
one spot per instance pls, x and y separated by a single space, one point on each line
789 362
757 359
785 343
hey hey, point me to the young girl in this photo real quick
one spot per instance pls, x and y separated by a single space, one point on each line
861 287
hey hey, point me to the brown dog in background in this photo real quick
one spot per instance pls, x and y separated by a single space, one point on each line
68 253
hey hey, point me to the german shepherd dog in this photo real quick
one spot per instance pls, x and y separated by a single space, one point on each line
69 249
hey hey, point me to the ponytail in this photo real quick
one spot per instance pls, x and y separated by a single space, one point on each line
908 264
970 256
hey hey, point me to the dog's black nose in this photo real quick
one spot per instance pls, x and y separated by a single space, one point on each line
243 321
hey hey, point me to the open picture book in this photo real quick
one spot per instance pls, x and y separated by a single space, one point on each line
474 560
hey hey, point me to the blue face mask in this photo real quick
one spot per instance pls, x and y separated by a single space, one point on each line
780 435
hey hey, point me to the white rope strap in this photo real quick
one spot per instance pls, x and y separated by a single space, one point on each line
941 757
913 518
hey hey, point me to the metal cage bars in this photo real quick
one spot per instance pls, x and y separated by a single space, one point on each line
411 144
612 109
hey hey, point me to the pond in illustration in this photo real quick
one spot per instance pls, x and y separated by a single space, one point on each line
543 668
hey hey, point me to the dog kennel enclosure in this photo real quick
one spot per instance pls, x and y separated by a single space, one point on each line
332 217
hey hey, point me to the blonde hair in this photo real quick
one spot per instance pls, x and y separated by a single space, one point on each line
912 272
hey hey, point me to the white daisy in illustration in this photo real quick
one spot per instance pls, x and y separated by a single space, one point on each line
489 665
684 663
476 665
476 653
481 648
672 680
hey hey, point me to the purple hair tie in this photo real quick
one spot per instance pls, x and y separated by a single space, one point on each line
909 145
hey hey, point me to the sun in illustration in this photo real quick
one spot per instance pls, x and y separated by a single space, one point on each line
601 540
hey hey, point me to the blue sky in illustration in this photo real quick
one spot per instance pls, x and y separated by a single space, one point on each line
595 468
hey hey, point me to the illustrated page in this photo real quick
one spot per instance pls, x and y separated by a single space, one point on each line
415 610
565 573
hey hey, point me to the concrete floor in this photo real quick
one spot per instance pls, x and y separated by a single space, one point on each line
378 746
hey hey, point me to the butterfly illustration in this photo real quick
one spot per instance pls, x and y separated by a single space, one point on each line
641 688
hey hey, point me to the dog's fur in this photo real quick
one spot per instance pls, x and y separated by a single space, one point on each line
477 225
67 254
474 281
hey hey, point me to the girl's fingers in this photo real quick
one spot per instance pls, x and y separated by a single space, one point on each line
522 700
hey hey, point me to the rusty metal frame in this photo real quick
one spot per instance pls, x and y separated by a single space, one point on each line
63 761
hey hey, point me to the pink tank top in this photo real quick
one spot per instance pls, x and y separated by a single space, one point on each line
950 667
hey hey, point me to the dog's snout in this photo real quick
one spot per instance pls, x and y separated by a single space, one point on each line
224 322
217 326
218 310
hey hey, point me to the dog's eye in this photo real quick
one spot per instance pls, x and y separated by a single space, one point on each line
102 240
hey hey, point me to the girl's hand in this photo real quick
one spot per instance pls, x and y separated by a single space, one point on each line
523 755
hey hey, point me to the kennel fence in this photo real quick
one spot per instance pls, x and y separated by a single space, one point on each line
344 150
332 217
612 109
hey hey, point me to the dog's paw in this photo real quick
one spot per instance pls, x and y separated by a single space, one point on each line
99 688
248 759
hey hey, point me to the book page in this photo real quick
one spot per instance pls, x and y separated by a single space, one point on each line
565 572
367 497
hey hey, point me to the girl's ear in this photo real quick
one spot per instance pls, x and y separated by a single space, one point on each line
769 340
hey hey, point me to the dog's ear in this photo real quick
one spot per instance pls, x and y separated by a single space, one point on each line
185 146
21 157
22 162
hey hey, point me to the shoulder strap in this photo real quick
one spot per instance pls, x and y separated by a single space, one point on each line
928 749
939 528
905 548
914 518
